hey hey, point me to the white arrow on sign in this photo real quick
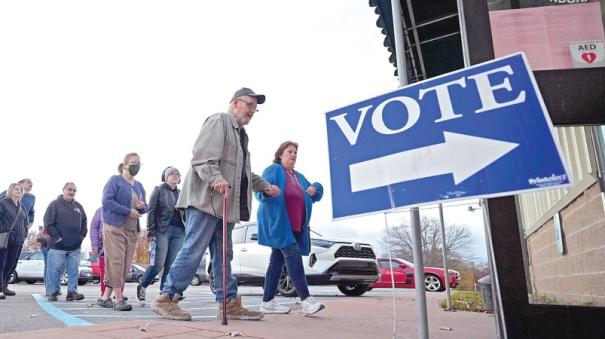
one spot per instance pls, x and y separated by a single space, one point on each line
460 154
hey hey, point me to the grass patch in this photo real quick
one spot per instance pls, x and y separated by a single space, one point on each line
465 301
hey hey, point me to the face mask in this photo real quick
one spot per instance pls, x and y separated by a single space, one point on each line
134 169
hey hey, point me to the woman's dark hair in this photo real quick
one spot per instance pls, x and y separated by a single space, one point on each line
126 157
281 148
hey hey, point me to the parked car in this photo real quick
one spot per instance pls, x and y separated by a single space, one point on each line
92 260
135 274
348 265
200 274
31 269
403 273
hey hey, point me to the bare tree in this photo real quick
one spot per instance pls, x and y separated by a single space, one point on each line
141 251
31 244
458 240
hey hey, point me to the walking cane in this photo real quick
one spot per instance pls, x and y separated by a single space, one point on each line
225 258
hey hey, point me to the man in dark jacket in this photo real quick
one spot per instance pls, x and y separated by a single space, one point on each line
66 223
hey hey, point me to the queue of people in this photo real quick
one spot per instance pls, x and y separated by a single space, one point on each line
181 225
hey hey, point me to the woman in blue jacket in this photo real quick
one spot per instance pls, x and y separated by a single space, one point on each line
283 225
123 204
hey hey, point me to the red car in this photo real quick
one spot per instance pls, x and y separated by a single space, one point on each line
96 270
403 272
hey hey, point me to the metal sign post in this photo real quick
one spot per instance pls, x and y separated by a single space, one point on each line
225 242
444 251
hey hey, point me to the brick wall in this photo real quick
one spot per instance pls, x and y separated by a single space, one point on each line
578 276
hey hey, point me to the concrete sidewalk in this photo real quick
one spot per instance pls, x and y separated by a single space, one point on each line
343 318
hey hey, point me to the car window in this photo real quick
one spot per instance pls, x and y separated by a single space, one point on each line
387 264
37 256
238 235
252 234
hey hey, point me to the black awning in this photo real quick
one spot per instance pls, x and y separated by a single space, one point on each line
431 36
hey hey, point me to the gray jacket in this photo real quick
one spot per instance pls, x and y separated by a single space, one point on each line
218 155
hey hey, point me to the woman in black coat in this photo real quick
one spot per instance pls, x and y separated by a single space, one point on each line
13 221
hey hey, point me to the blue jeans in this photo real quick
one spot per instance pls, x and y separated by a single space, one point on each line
201 231
167 245
46 278
9 263
57 260
296 271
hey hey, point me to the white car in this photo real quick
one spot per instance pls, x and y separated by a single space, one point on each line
31 269
349 265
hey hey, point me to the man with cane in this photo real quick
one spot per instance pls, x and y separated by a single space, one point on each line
220 172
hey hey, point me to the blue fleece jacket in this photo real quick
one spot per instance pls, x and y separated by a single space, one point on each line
117 196
274 229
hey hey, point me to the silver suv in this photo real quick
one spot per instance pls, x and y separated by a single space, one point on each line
348 265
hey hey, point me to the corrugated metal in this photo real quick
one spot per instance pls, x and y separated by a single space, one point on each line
576 145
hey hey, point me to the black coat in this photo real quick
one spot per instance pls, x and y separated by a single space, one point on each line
161 209
8 213
66 224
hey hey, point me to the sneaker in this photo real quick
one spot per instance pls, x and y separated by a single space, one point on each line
311 306
105 303
71 296
52 297
168 308
235 310
8 292
123 297
140 293
273 307
122 306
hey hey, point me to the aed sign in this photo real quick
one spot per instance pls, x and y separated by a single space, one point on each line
477 132
587 54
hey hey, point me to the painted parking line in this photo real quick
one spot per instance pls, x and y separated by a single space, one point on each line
68 319
138 316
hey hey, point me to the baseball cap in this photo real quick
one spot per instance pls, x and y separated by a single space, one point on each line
260 98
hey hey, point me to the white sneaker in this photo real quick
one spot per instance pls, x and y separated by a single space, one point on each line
311 306
273 307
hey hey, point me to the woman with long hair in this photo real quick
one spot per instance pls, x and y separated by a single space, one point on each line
13 223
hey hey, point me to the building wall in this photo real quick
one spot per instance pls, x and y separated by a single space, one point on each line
578 276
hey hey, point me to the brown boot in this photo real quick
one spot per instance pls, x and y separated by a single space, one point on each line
235 310
169 309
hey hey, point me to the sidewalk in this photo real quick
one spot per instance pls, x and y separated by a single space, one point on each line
344 318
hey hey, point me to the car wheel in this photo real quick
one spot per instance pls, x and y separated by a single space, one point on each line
31 282
63 279
96 280
432 283
196 281
82 282
285 285
211 280
353 290
13 279
140 279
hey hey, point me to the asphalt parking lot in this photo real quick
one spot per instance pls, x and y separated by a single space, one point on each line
358 317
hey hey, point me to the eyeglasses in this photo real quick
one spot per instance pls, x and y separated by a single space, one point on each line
176 174
71 189
249 104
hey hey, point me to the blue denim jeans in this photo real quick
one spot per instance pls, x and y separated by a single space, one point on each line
45 256
167 245
296 271
57 261
201 231
11 257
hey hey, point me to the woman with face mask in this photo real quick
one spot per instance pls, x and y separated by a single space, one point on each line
123 204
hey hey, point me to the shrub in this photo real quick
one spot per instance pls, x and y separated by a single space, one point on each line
465 301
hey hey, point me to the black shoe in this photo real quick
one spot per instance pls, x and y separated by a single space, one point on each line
8 292
71 296
105 303
122 306
52 297
140 293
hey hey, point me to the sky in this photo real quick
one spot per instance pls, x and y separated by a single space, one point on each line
82 83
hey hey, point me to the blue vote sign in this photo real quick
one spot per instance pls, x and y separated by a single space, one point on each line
482 131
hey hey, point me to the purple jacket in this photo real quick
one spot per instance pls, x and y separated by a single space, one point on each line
96 231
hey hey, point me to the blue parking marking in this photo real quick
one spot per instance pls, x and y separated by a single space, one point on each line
56 312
